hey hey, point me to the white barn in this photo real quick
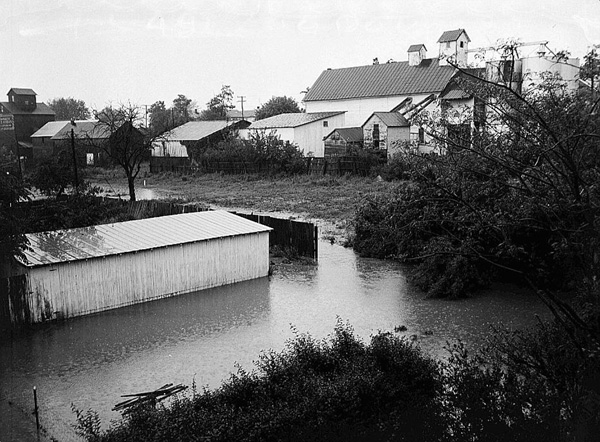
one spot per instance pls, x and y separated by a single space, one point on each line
306 130
80 271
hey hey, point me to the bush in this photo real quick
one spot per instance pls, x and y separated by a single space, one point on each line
336 390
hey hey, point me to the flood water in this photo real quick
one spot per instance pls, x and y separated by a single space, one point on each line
201 336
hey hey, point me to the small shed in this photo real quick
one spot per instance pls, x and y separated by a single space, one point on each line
382 130
80 271
341 140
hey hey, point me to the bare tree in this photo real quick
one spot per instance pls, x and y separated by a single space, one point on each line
126 141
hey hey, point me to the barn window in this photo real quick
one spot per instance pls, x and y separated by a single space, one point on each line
421 135
376 136
325 123
462 44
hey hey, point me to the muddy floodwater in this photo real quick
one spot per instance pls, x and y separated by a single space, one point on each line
91 361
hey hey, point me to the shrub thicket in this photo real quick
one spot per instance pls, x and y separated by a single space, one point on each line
336 390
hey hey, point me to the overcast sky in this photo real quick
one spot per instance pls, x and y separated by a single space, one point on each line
142 51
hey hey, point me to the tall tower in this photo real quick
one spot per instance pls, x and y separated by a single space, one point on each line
454 46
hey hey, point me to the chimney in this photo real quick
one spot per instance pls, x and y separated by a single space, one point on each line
416 54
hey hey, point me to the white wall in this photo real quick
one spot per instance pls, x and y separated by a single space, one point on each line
359 109
87 286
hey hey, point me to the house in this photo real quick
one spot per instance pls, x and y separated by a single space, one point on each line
306 130
340 141
75 272
20 117
175 148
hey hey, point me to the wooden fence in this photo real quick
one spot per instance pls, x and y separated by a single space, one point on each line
297 235
340 165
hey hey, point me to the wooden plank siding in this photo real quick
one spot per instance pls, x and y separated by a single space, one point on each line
87 286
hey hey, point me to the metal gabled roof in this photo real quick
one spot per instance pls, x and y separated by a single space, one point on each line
391 119
60 246
83 129
416 48
452 35
380 80
348 134
196 130
49 129
40 109
21 91
292 119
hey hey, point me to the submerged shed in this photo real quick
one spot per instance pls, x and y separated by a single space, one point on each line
75 272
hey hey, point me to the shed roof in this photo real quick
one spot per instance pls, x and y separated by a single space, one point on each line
388 79
49 129
62 246
196 130
391 119
83 129
452 35
292 120
348 134
21 91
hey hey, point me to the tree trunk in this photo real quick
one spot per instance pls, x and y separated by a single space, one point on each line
130 182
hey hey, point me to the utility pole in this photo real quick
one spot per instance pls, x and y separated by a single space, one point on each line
241 100
76 180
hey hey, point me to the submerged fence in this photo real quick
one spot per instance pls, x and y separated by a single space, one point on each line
286 234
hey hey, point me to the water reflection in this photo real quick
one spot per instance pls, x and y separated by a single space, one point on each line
91 361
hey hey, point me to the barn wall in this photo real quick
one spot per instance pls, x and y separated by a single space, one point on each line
83 287
359 109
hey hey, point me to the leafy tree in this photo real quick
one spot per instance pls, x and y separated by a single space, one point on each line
217 107
69 108
276 106
160 117
180 112
53 175
516 197
591 69
127 145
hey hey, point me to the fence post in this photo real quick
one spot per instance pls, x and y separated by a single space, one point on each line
35 410
316 244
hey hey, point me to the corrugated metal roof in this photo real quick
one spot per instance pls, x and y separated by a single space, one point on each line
41 109
291 120
452 35
21 91
196 130
49 129
83 129
132 236
392 119
348 134
380 80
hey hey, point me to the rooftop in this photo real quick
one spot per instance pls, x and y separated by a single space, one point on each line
392 119
452 35
292 120
398 78
196 130
46 248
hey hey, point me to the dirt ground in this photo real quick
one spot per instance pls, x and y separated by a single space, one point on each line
330 202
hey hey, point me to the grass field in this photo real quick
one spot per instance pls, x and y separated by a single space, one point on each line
328 201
